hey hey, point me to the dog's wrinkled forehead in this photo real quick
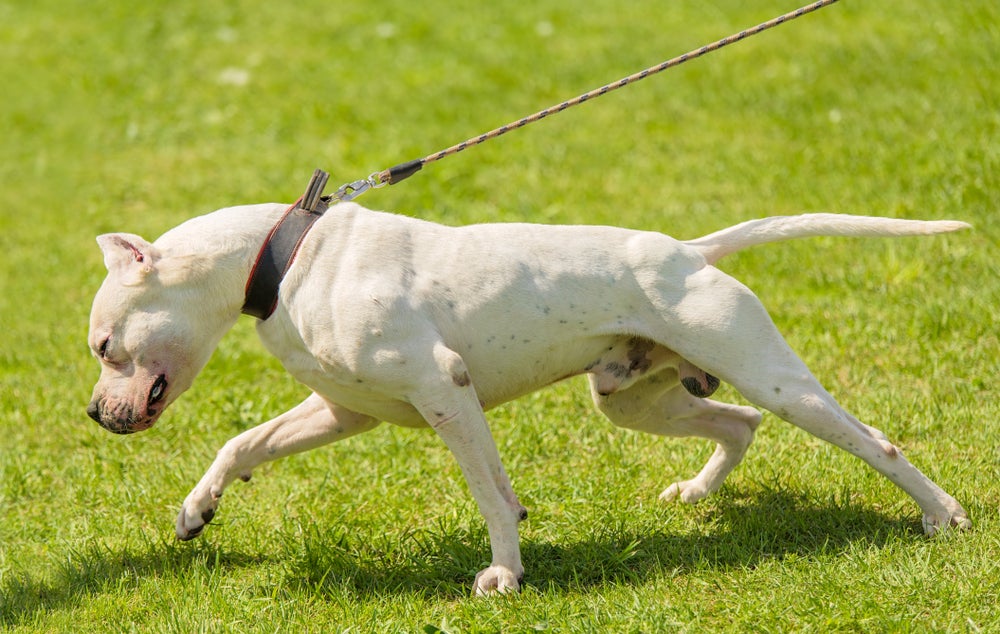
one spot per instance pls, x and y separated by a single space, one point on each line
127 319
114 302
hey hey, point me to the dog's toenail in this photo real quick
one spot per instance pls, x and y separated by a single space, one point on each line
191 534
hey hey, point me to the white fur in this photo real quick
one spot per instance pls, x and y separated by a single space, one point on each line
388 318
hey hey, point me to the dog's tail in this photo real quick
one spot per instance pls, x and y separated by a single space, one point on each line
718 245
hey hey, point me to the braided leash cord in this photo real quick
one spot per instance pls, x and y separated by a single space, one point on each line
402 171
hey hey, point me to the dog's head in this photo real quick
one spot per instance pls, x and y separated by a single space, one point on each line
146 329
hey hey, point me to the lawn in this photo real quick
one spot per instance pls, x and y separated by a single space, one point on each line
136 116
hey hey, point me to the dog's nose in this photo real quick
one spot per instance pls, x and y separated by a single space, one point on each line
94 410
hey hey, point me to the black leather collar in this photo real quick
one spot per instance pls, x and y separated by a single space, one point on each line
279 249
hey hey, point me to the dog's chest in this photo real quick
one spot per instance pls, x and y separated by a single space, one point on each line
333 378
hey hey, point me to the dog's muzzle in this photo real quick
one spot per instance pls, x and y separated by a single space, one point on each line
121 419
115 422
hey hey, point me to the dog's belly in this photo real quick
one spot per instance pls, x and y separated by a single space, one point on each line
505 370
496 380
500 371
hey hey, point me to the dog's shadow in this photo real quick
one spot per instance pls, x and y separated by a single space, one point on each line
735 532
732 533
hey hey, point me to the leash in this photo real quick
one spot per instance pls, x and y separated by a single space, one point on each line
282 243
400 172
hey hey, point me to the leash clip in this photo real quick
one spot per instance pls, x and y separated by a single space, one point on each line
350 191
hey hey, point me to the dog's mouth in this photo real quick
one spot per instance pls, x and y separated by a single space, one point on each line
119 418
155 404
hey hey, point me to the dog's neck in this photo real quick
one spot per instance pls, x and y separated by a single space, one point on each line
275 256
220 249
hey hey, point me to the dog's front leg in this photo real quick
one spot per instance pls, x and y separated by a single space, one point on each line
312 423
452 408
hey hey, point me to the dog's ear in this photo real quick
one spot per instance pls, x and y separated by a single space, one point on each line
128 255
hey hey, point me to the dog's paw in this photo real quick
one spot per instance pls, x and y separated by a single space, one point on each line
940 523
497 580
196 512
689 492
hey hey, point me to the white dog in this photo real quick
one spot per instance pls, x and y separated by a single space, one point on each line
388 318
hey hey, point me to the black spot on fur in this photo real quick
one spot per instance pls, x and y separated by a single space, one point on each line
616 370
695 388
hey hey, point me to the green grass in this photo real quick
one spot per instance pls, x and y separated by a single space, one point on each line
136 116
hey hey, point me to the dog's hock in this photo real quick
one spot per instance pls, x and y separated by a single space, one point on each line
890 449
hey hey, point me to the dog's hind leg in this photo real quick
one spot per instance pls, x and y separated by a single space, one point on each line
737 342
809 406
312 423
660 405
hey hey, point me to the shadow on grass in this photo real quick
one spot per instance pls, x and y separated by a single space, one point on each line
100 570
734 533
328 562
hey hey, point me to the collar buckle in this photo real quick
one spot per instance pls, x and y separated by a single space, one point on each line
282 243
